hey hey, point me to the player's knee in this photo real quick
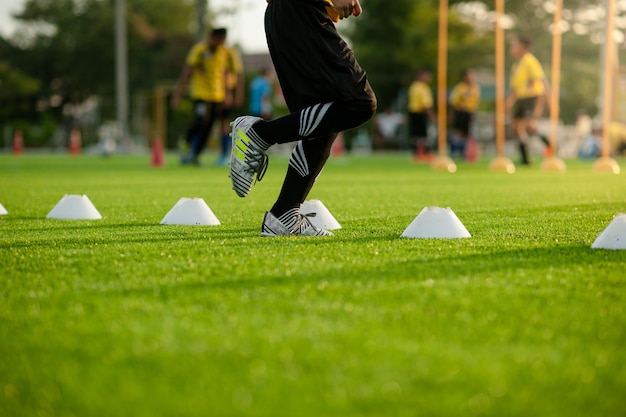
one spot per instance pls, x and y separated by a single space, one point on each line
366 109
373 105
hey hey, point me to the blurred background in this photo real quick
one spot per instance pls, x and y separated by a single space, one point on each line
106 68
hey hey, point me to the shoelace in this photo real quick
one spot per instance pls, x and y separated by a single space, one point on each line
304 223
258 164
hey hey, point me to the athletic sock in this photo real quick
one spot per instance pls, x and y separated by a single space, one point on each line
524 152
316 128
306 162
256 138
317 121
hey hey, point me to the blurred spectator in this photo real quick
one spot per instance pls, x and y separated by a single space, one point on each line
590 145
526 99
261 92
464 100
206 66
232 102
421 113
386 129
583 124
618 138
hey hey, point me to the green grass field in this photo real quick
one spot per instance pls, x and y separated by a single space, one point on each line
126 317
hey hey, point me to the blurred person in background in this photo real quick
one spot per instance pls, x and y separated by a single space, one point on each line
591 143
526 100
205 69
386 129
233 102
261 92
617 135
464 100
421 113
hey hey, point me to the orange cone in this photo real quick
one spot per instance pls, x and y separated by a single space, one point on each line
18 142
157 153
75 140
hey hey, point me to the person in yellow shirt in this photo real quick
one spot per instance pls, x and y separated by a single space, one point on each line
234 100
464 99
528 89
205 71
420 110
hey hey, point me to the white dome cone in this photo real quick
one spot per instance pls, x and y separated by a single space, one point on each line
614 236
438 223
322 219
74 207
191 212
3 211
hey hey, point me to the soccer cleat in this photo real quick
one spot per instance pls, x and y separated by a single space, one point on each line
272 227
247 158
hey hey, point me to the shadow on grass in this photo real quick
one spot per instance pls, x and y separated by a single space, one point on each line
102 233
498 263
128 233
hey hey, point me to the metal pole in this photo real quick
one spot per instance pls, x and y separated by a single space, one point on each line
442 161
500 116
442 73
500 163
605 162
121 69
552 163
607 103
556 76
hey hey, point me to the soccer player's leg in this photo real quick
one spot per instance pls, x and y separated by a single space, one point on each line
204 131
327 94
225 140
193 134
307 160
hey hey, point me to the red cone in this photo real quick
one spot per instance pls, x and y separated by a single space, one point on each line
471 151
75 142
18 142
421 153
158 159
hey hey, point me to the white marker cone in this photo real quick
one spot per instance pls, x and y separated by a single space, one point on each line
322 219
614 236
3 211
190 212
436 223
74 207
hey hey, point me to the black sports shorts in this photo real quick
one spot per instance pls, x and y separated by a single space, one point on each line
313 63
418 125
524 107
462 121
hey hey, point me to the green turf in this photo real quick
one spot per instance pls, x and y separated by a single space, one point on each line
125 317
